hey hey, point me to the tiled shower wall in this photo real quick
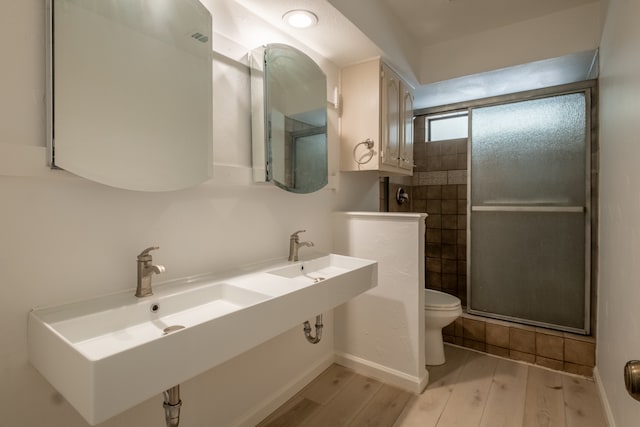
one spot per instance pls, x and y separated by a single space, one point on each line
439 187
544 347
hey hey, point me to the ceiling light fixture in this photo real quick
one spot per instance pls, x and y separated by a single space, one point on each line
300 18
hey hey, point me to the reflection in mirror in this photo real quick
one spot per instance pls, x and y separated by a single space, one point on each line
129 85
289 119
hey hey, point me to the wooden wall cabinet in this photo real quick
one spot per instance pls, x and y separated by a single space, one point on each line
377 105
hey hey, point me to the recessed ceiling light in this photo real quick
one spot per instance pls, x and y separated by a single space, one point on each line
300 18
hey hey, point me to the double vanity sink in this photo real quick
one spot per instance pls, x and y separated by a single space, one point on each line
108 354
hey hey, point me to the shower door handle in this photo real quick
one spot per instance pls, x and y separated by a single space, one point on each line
528 208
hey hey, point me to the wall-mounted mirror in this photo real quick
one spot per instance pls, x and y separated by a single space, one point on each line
129 91
289 119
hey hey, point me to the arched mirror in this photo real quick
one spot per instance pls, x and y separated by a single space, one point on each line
289 119
129 91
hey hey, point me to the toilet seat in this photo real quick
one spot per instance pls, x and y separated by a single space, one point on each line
436 300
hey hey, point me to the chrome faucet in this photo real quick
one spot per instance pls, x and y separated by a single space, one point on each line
145 271
295 243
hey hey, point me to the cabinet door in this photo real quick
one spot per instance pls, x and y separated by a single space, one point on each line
391 125
406 147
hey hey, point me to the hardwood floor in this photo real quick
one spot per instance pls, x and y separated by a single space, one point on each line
471 389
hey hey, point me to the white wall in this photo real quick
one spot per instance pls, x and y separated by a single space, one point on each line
619 292
381 332
63 238
569 31
375 19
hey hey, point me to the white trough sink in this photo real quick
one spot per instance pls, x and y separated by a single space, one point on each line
108 354
97 331
318 269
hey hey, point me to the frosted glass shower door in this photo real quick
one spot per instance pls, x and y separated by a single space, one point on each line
529 232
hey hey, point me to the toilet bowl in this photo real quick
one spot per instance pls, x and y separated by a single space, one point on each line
440 310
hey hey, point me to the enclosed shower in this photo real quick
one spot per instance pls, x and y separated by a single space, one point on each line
528 218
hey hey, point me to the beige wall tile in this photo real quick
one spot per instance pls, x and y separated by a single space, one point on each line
434 265
449 338
497 335
462 191
578 337
498 322
449 237
462 222
461 145
550 346
434 206
449 221
449 192
525 357
473 329
549 332
433 148
458 177
522 340
448 147
498 351
459 327
450 206
419 205
419 192
432 163
449 330
433 178
476 345
434 280
574 368
579 352
419 129
558 365
434 192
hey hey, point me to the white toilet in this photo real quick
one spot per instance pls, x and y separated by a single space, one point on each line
440 310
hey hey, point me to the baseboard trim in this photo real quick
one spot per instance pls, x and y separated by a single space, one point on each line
603 398
269 405
383 373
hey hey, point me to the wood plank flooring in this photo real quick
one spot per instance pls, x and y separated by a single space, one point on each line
471 390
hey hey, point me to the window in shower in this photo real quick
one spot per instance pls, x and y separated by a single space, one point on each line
451 125
529 211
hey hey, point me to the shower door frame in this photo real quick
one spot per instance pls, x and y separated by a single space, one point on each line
589 88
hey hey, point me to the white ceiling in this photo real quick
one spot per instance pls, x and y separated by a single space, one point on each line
432 21
382 27
334 37
534 75
423 22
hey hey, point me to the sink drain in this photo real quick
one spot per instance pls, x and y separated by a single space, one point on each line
170 329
